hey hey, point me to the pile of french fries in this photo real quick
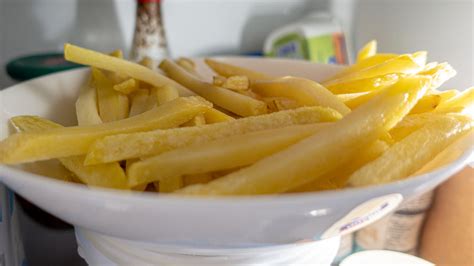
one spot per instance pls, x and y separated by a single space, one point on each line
243 132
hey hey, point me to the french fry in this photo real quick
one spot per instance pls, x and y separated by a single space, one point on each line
338 178
86 107
228 70
276 104
324 151
198 120
188 65
221 154
445 95
403 64
70 141
363 64
126 87
116 53
147 62
125 146
411 123
229 100
303 91
197 179
170 184
355 101
421 146
165 94
112 104
142 101
109 175
92 58
370 49
215 116
428 103
235 83
462 103
439 73
364 85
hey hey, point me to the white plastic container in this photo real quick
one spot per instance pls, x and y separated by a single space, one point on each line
317 38
98 249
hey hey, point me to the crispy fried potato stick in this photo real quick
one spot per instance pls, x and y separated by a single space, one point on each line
88 57
70 141
221 154
228 70
86 107
120 147
113 105
229 100
369 49
304 91
109 175
411 153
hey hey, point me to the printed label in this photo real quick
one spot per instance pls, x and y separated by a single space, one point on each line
398 231
364 214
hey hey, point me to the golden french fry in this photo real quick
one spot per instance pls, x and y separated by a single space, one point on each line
116 53
165 94
403 64
439 73
411 123
428 103
86 107
215 116
142 101
147 62
70 141
198 120
221 154
112 104
229 100
119 147
363 64
92 58
276 104
445 95
354 101
109 175
236 83
170 184
364 85
324 151
462 103
370 49
421 146
188 65
338 178
228 70
197 179
304 91
126 87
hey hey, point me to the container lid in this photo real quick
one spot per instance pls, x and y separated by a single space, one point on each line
32 66
383 257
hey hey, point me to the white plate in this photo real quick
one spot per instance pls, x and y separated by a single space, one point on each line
170 221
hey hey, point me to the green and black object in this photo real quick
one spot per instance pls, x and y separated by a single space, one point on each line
32 66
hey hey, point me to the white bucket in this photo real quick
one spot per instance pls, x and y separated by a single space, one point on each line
98 249
11 247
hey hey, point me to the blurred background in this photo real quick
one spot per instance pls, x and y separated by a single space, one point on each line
445 28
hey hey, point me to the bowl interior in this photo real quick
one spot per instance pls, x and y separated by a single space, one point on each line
197 223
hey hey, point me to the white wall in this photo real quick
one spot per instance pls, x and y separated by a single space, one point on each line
445 28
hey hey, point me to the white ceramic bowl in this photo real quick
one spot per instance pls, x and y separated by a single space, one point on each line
232 222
